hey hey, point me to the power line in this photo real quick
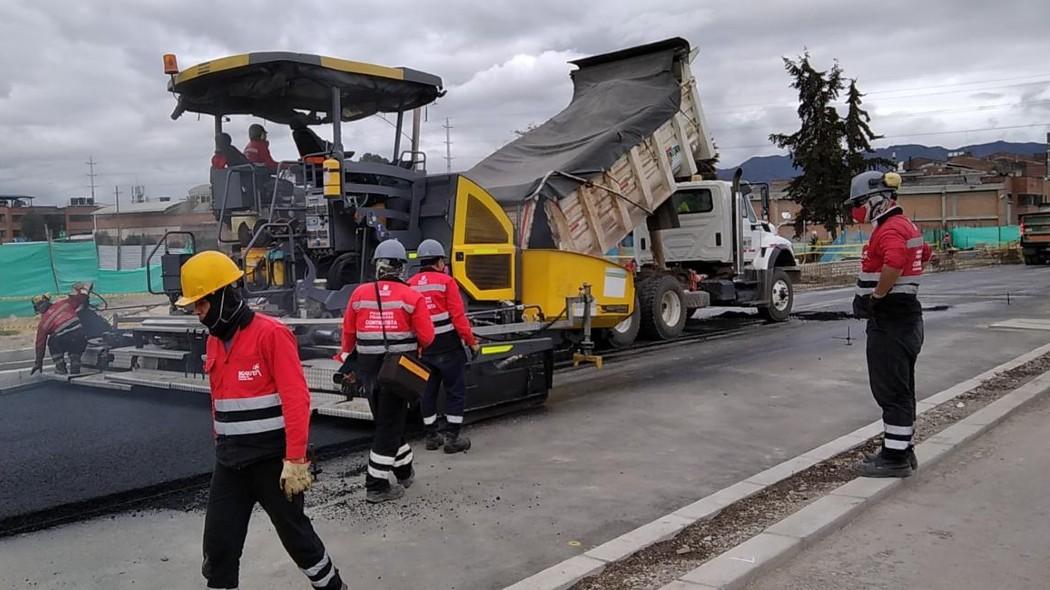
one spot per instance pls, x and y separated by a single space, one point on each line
736 108
954 132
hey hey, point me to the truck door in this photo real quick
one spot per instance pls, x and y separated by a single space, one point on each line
751 232
704 233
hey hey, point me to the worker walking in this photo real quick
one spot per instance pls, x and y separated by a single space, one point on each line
887 296
261 419
385 316
446 357
60 331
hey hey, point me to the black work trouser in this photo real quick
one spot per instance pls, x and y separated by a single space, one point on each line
72 342
389 451
233 494
448 369
893 347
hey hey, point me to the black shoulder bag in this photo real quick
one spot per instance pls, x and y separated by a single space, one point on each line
401 374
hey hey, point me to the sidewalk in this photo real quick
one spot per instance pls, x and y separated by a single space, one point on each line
979 520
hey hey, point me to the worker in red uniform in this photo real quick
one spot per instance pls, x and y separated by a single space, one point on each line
258 149
261 419
385 316
887 296
59 330
446 357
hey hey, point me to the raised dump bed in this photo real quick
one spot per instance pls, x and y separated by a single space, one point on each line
586 178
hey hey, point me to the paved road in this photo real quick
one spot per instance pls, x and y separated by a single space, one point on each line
63 443
980 520
611 450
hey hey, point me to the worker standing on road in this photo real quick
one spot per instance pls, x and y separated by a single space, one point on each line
59 330
887 296
386 316
258 149
446 357
261 419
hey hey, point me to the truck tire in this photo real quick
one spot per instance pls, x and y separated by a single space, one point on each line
1031 260
626 332
781 297
662 305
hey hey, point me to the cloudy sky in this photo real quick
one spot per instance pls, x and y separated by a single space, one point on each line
84 79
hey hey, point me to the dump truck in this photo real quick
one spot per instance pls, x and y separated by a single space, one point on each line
1035 237
618 170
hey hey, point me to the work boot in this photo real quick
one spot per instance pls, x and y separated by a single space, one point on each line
408 481
74 365
60 367
433 440
882 465
454 443
912 459
394 492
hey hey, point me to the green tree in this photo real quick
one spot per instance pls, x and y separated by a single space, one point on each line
859 135
33 227
375 158
817 147
708 168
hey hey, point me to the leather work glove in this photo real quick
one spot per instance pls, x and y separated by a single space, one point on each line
295 477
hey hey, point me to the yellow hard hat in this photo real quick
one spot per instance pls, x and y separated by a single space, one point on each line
205 273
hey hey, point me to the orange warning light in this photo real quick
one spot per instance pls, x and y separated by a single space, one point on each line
171 66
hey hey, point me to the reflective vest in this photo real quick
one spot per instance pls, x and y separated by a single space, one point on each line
898 243
404 318
59 320
443 301
260 402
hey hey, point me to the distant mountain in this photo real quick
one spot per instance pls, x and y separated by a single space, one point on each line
767 168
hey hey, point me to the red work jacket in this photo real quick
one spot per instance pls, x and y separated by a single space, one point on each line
59 319
260 401
441 293
896 242
258 152
404 318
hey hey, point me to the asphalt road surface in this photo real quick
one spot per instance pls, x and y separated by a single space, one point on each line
611 450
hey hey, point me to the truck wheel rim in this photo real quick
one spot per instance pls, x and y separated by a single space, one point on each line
670 308
624 326
781 297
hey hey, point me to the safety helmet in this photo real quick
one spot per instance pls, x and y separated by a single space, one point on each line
205 273
390 250
871 183
430 249
41 302
256 131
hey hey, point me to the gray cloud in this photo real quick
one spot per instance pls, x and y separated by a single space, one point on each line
84 79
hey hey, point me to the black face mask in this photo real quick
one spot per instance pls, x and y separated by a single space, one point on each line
226 314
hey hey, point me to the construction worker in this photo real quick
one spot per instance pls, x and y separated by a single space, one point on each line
403 326
886 295
60 330
258 149
261 418
446 356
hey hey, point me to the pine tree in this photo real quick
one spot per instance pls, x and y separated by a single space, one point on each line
859 136
817 147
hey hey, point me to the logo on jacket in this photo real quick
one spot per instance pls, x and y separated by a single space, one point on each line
422 279
384 290
250 374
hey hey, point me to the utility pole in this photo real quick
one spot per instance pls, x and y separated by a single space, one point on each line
116 199
91 174
448 146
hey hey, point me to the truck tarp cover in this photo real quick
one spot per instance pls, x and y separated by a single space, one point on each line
618 100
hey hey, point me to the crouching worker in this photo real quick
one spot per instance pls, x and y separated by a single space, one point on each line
59 330
261 419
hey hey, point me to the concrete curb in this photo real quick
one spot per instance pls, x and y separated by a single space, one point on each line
770 547
743 563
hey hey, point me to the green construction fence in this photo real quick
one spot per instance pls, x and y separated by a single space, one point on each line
31 268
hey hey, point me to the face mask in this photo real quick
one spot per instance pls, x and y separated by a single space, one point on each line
859 214
226 313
